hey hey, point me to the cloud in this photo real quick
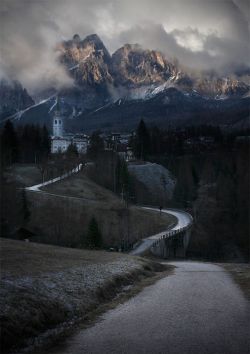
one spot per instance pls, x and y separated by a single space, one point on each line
204 35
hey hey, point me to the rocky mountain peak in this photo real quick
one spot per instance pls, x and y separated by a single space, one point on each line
86 60
95 39
76 38
133 65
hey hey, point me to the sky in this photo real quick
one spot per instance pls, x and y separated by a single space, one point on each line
201 34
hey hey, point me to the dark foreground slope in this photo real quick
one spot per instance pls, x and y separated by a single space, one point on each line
45 290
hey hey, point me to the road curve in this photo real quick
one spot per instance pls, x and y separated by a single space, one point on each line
183 220
196 310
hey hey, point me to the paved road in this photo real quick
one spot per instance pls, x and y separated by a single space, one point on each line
36 188
197 310
184 219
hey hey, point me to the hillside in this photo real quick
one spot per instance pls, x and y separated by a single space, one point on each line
154 184
61 215
46 290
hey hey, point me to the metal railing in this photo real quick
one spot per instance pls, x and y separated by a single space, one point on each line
169 234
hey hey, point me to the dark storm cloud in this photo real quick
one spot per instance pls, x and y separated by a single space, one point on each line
201 34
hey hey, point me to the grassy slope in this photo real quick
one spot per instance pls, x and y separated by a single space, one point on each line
241 274
64 221
46 289
25 174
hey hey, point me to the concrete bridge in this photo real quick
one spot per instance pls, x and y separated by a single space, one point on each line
171 243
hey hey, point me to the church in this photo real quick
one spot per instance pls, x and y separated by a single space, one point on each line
61 141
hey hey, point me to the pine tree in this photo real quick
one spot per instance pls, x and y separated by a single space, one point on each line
96 145
46 143
26 212
142 141
122 176
94 236
9 144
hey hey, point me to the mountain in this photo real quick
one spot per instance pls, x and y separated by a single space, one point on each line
168 108
132 66
13 98
132 69
86 60
115 91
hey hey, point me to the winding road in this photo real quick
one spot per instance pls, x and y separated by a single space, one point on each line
196 310
183 219
36 188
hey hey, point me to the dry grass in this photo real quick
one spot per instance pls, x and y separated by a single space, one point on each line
64 220
19 259
45 290
25 174
241 274
82 187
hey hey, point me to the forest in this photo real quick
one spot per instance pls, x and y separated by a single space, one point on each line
211 168
212 171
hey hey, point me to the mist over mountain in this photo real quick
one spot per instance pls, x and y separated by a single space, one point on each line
88 62
203 35
109 90
13 97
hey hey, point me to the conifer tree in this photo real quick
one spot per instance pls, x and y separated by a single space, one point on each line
46 143
9 144
142 141
26 212
94 236
96 145
122 175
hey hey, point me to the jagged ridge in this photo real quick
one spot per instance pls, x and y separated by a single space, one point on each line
131 66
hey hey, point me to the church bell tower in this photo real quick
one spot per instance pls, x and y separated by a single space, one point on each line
57 123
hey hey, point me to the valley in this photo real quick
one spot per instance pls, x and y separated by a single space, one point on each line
124 177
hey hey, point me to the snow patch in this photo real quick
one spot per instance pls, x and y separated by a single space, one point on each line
19 114
52 107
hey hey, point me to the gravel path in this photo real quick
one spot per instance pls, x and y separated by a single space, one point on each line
198 309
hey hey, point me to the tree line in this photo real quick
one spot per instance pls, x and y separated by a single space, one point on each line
109 169
26 144
152 141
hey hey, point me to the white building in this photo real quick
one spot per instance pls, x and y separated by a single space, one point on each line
57 124
60 141
81 143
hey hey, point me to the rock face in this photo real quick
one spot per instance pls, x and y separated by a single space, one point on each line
154 183
88 63
226 87
112 92
87 60
130 67
13 98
